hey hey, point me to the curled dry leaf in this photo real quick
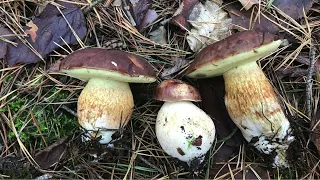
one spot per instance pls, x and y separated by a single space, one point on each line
149 17
141 12
52 154
159 35
209 23
181 16
247 4
45 32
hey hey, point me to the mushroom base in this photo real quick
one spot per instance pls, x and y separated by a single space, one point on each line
253 106
184 131
104 106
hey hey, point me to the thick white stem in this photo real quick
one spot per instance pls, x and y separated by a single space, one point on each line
254 107
104 105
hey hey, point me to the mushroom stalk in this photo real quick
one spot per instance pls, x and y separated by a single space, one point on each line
254 107
100 105
184 131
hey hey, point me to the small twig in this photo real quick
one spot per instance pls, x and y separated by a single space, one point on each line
128 13
92 5
309 80
35 121
72 112
64 107
150 164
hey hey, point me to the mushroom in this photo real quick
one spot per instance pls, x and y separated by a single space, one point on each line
183 130
106 103
249 97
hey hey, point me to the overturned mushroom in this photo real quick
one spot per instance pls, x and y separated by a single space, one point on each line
184 131
106 102
250 99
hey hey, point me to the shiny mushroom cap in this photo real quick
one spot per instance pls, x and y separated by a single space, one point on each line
175 90
116 65
235 50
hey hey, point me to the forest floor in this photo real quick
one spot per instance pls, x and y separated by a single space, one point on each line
39 132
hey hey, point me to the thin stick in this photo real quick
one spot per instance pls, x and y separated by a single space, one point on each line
150 164
35 121
92 5
309 81
64 107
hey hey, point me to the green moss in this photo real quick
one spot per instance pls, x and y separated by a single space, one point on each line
53 125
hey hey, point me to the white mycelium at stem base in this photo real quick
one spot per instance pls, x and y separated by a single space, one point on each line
184 131
104 105
253 106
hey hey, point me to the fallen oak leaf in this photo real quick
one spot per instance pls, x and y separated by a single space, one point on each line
209 24
150 16
294 8
6 36
52 154
245 20
181 16
52 29
141 12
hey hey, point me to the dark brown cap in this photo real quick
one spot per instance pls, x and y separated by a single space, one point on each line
112 64
176 90
237 49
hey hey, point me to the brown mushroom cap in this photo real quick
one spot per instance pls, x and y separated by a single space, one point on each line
237 49
176 90
117 65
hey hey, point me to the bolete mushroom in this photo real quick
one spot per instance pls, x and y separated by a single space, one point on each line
249 97
106 103
183 130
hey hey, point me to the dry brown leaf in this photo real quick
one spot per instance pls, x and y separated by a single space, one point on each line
294 8
246 20
32 31
181 16
209 23
45 33
52 154
159 35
